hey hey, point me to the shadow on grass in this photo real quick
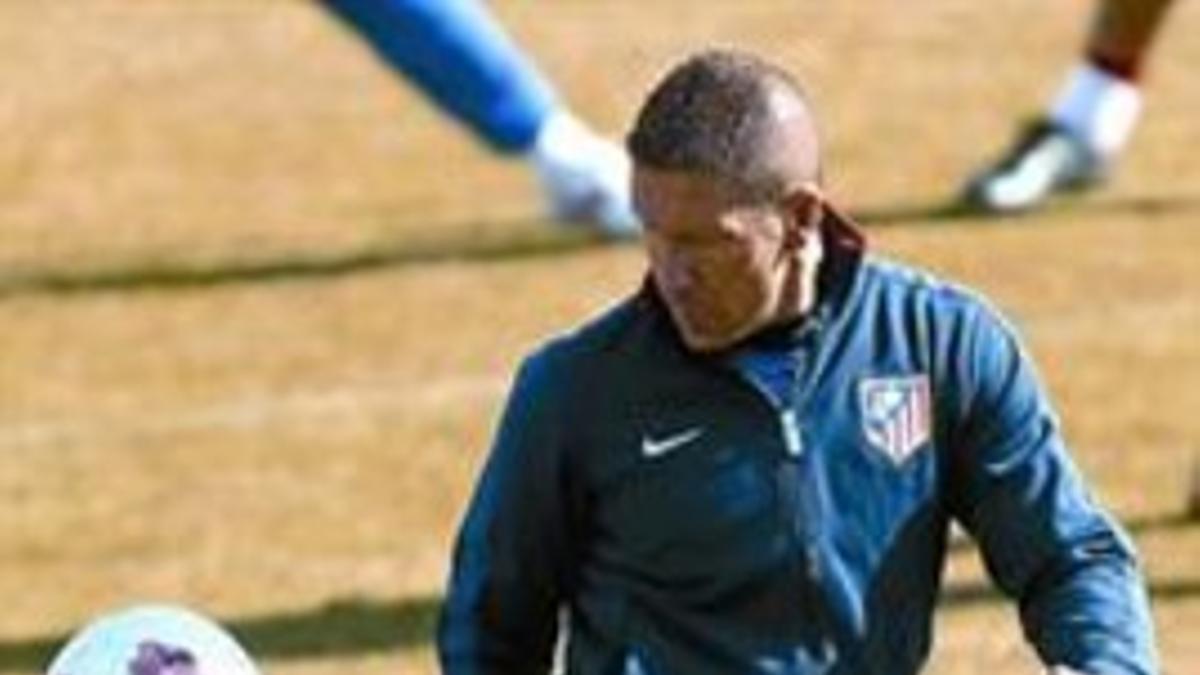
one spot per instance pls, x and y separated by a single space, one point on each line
359 626
297 266
946 212
345 627
469 246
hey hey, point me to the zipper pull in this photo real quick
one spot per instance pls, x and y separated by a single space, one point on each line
791 433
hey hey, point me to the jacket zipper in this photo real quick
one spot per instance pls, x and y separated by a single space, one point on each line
798 514
790 426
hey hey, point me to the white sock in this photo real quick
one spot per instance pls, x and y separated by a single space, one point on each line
584 175
562 140
1100 108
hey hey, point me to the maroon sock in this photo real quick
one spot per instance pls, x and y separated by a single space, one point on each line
1126 68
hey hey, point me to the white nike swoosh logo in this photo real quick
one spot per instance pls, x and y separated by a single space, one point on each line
658 448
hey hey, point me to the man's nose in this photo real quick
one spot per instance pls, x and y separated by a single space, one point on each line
677 273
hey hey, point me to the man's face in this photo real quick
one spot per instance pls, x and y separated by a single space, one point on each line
721 263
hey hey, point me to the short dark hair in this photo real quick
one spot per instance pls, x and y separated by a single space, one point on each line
712 115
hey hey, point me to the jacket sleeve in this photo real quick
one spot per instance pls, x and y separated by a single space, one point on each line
1045 542
512 557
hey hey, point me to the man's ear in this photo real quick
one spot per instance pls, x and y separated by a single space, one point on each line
805 208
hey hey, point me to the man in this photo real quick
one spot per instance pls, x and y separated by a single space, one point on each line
1074 144
458 55
751 466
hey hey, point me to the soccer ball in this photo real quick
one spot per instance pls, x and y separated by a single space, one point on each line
152 640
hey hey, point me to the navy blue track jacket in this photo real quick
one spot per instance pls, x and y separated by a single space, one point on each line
783 508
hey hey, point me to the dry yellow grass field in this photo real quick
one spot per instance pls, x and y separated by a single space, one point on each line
259 303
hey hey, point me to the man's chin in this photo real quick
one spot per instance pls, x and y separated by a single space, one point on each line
709 341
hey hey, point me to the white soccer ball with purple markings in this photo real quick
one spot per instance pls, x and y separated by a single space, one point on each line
152 640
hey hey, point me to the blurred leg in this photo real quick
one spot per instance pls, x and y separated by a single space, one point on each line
1089 122
1122 34
458 54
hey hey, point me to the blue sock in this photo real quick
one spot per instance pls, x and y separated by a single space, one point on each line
458 54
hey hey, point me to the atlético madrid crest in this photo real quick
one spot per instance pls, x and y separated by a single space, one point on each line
896 415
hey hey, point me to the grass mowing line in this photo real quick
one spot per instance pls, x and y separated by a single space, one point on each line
257 412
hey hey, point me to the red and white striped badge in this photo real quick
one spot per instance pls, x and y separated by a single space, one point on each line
896 416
